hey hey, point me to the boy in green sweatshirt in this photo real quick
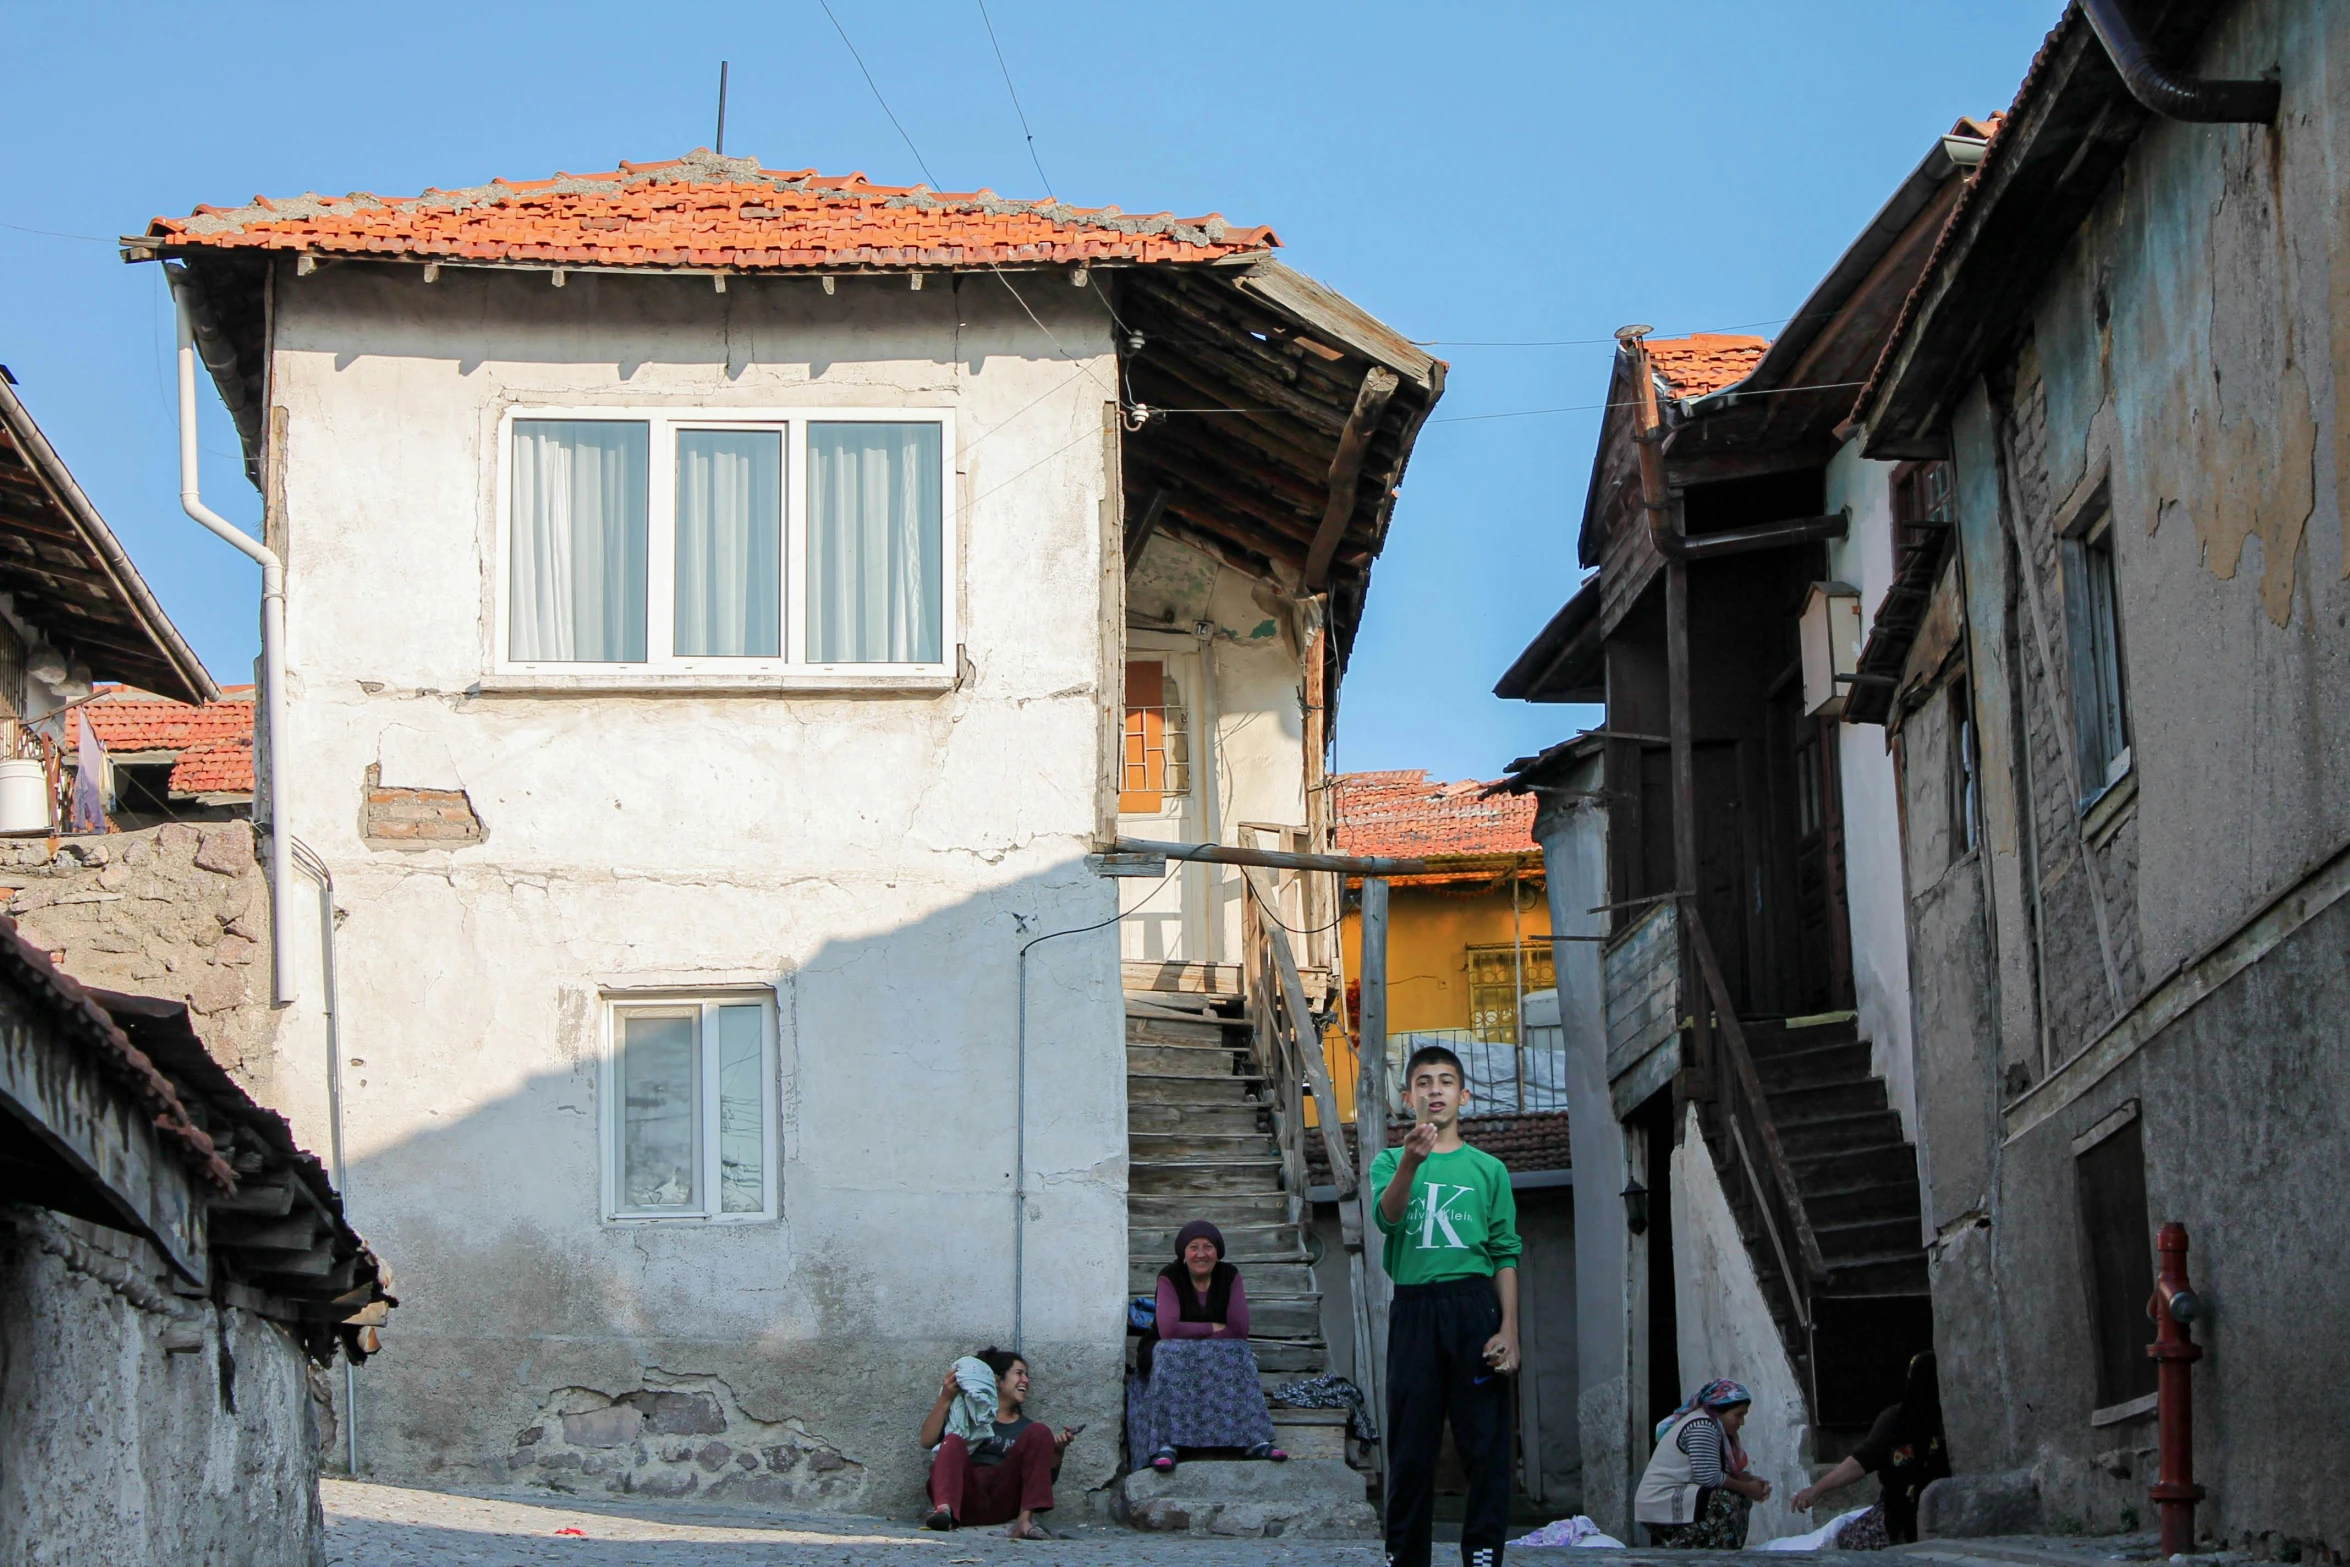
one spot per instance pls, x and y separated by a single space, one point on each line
1452 1336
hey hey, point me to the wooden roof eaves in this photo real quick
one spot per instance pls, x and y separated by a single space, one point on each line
1345 324
113 565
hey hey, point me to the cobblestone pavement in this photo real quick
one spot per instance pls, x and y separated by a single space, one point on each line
370 1525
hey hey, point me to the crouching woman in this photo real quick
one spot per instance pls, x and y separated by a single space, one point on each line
991 1463
1696 1494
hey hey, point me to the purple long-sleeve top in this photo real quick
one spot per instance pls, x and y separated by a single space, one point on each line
1172 1325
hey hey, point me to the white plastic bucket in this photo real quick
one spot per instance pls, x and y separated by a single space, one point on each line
24 796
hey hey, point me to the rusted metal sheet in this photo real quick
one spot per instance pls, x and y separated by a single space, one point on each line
61 1098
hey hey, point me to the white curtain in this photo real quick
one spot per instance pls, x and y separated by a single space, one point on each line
577 577
729 543
875 544
657 1112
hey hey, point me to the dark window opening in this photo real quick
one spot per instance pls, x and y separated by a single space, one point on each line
143 789
1655 1121
1963 783
1921 503
2118 1244
2101 716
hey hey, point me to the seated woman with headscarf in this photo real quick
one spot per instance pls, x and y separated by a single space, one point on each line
1905 1451
1195 1382
1697 1491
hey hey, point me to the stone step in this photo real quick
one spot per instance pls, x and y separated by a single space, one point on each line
1893 1234
1304 1499
1227 1211
1263 1280
1287 1318
1865 1204
1829 1172
1224 1118
1894 1272
1229 1177
1813 1065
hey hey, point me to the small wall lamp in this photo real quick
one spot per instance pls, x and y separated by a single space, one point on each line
1636 1207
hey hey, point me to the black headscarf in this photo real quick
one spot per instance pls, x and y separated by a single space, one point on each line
1919 1424
1188 1305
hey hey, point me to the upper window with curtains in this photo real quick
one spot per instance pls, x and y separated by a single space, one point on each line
669 543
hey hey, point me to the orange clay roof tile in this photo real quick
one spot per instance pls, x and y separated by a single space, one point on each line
1404 815
1705 362
708 211
214 767
128 719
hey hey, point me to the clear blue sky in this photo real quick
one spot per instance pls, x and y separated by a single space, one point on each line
1471 174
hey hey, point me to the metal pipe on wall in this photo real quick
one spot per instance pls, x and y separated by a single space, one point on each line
331 1005
273 638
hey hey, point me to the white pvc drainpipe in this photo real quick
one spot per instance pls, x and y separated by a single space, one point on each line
273 647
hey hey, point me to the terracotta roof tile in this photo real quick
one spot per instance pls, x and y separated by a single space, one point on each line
214 767
1524 1142
707 211
1404 815
128 719
1705 362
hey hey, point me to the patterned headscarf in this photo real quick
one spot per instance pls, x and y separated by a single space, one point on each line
1716 1396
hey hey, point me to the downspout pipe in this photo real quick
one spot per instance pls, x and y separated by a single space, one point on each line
330 1003
2190 98
273 640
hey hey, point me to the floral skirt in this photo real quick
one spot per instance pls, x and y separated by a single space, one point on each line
1202 1392
1720 1525
1865 1533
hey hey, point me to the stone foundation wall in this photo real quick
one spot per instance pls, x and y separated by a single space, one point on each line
176 911
138 1427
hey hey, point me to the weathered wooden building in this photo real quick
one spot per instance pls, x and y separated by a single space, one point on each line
2117 686
1732 984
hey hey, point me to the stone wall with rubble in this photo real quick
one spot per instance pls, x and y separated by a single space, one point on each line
139 1427
176 911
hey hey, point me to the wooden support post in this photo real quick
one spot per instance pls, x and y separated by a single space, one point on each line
1699 1061
1371 1292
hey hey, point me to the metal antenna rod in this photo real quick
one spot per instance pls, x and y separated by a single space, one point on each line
720 149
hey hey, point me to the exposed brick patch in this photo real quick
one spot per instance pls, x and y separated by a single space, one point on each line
394 817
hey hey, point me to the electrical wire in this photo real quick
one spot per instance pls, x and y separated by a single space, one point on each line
1285 925
95 239
1577 408
877 98
1015 92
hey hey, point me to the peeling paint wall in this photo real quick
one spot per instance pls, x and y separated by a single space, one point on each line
2186 361
1871 803
873 861
139 1427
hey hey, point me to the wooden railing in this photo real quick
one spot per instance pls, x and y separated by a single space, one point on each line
1745 1114
1289 1043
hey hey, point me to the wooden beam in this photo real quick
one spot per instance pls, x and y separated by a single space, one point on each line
1259 542
1277 859
1346 470
1141 525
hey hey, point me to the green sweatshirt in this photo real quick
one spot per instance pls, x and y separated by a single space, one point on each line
1461 1221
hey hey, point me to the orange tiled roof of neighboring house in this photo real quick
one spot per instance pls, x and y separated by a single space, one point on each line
1705 362
214 767
128 719
1401 813
704 210
214 742
1524 1141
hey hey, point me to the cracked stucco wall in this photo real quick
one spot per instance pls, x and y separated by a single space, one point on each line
875 859
118 1443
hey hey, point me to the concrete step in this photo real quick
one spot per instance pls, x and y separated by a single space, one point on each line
1220 1117
1831 1171
1227 1211
1224 1177
1264 1280
1304 1499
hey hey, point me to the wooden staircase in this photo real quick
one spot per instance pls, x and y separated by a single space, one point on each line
1203 1143
1851 1324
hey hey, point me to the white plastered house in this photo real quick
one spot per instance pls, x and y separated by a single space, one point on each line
712 600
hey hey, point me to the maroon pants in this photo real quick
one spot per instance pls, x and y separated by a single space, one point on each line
995 1493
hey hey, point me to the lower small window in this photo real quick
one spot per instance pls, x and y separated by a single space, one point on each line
692 1088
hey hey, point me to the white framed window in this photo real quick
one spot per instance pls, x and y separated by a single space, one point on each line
668 542
2101 706
690 1125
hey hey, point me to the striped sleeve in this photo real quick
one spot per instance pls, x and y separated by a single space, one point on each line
1702 1441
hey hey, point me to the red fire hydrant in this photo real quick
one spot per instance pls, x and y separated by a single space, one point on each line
2173 1308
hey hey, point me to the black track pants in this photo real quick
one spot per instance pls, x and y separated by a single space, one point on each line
1436 1336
